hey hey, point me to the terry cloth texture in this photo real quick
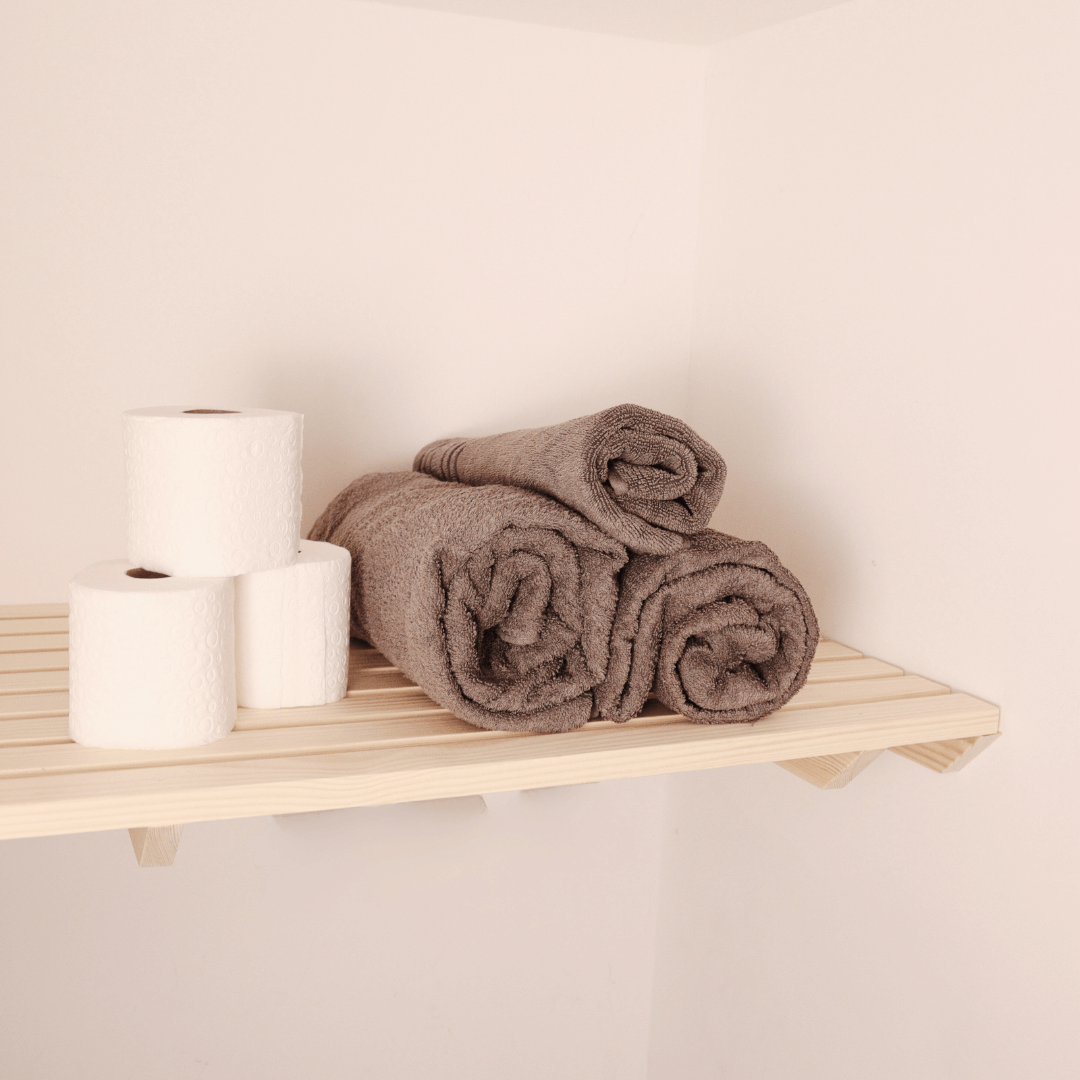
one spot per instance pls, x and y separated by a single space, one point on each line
498 602
644 478
720 632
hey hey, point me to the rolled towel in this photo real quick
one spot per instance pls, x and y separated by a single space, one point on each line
720 631
498 602
643 477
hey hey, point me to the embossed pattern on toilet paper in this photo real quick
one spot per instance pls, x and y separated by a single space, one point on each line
292 631
152 661
337 590
212 495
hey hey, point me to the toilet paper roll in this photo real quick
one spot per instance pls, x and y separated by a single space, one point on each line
212 492
151 658
292 630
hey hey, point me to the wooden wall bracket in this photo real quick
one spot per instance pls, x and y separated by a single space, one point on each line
156 846
833 770
947 756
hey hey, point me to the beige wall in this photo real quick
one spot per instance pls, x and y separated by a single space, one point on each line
423 940
401 223
405 225
886 349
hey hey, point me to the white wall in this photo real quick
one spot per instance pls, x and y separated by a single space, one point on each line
405 225
886 341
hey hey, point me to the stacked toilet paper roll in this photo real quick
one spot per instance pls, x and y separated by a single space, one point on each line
213 512
212 491
292 630
151 658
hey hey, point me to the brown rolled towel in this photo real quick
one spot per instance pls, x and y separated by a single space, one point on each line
643 477
498 602
720 631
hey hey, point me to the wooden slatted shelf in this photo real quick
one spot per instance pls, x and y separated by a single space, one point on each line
388 742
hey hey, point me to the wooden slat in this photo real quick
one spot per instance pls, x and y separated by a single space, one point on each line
248 745
366 663
376 676
412 701
33 611
364 659
34 661
8 627
38 731
363 682
32 682
177 794
17 643
856 691
865 668
367 660
374 704
25 706
833 650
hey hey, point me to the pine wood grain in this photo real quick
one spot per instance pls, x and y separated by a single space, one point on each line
833 650
375 704
22 643
388 742
53 729
366 680
864 668
30 757
8 627
177 794
948 756
32 682
832 771
39 731
361 659
33 611
34 661
156 847
25 706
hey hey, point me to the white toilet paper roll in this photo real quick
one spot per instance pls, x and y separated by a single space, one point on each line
212 492
151 658
292 630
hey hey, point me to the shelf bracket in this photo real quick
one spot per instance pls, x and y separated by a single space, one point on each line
948 756
156 846
831 771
